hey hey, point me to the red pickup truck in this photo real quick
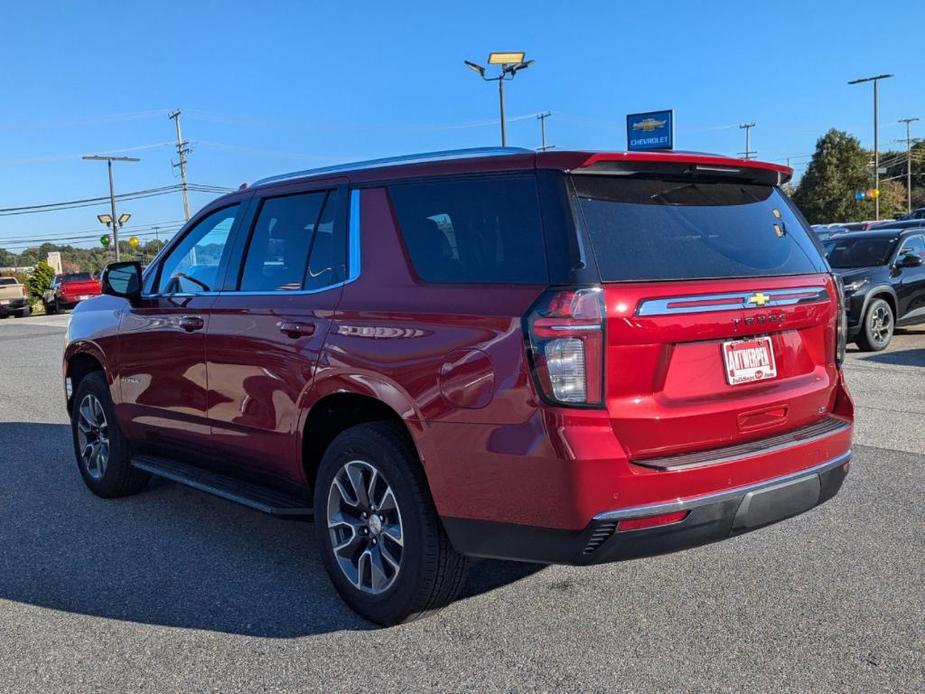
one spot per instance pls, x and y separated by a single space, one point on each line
66 291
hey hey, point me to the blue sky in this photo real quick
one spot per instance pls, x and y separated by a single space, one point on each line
277 86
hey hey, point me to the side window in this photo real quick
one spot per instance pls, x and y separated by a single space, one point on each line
280 243
473 231
328 262
914 245
192 266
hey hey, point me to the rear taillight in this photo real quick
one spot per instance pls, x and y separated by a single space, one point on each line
25 290
841 323
565 334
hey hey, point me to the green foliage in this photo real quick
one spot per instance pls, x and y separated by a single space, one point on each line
896 170
892 199
40 280
839 167
80 259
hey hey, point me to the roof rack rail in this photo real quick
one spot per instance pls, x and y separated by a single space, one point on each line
446 155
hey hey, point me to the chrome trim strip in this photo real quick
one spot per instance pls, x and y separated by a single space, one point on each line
750 449
423 157
570 328
661 307
716 497
353 251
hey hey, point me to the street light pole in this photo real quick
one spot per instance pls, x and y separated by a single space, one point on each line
908 121
501 104
511 64
112 194
876 80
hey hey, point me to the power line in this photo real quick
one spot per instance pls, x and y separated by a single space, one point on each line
89 202
88 233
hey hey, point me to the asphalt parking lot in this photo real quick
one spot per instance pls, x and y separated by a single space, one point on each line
172 590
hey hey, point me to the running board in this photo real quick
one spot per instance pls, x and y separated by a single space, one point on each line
254 496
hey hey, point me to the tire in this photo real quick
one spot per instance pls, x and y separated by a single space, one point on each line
57 306
25 312
879 324
105 467
49 308
430 572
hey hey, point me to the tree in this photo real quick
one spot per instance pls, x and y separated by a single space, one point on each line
892 199
40 280
839 168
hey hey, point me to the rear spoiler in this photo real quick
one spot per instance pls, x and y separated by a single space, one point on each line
681 163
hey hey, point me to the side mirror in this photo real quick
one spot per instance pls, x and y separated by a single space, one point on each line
122 279
911 260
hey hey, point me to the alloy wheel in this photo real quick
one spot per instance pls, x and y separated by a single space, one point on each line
881 324
365 527
93 436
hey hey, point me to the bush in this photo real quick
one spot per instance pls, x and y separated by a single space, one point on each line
40 280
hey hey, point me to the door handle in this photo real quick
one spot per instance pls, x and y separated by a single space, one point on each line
296 330
191 323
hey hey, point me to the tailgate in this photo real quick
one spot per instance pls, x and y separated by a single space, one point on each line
668 385
81 288
721 312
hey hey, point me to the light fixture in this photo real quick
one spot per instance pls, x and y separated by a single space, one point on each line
508 58
475 68
520 66
123 218
104 219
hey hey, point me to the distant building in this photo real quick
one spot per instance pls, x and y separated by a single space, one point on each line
54 259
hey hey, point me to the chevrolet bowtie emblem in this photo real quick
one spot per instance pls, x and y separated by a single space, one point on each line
759 299
648 125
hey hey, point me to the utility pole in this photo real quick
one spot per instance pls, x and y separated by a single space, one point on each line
908 122
112 195
541 117
747 128
182 151
876 81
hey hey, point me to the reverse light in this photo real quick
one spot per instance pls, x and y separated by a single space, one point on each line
565 332
651 521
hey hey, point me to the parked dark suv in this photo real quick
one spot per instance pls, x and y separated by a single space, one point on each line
558 357
884 282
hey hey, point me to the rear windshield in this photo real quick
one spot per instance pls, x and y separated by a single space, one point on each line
859 252
8 280
664 229
75 277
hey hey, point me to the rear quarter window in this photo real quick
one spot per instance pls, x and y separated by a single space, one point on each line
473 231
670 229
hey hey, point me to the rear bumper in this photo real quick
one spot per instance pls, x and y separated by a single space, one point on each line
14 305
711 517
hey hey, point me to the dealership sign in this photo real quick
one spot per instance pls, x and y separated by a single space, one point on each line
652 130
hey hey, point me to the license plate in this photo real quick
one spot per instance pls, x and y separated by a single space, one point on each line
82 297
749 360
4 302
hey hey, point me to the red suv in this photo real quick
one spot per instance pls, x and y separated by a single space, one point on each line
561 357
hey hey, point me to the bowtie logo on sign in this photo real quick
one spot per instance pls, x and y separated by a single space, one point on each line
650 131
